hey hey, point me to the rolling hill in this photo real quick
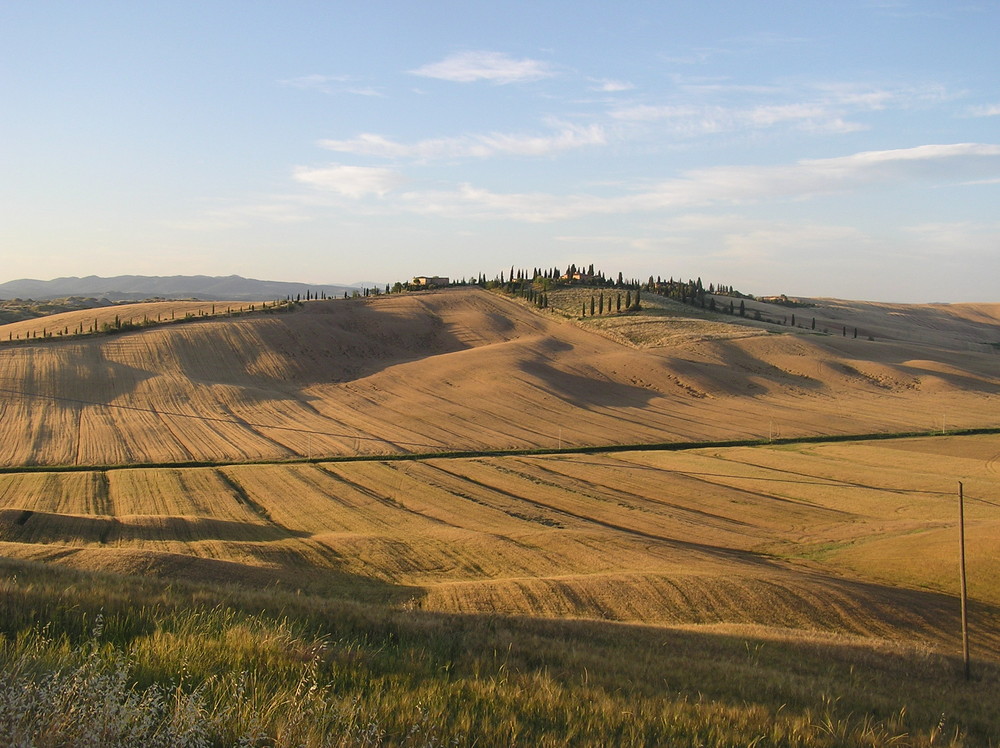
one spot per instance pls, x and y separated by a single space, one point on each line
835 559
467 370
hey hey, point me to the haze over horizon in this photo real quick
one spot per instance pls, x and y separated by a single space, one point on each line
846 150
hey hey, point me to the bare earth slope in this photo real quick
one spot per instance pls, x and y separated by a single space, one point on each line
466 369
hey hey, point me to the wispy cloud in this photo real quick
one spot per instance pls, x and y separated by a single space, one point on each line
330 84
988 110
822 107
732 185
350 181
277 209
607 85
703 120
496 67
709 188
475 146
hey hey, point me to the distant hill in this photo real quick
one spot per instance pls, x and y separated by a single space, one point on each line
137 287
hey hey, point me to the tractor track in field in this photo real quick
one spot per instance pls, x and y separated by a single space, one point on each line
993 464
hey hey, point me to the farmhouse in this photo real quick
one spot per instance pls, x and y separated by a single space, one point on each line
430 281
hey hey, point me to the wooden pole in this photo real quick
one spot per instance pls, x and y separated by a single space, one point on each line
961 553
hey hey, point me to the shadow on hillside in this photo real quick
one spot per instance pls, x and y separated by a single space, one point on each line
172 568
971 371
25 526
588 392
79 374
327 341
742 373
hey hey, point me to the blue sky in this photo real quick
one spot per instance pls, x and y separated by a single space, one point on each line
847 149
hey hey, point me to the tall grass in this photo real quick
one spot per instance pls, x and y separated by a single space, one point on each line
100 660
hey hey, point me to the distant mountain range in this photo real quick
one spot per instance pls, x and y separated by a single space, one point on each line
136 287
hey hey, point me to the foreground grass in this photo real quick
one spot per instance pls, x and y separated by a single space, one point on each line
101 660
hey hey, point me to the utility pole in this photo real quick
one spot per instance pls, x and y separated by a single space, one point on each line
961 553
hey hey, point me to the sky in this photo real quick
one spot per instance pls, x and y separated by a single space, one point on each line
845 149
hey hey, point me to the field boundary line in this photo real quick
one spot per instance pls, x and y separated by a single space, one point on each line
526 452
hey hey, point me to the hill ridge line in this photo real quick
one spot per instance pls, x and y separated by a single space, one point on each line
525 452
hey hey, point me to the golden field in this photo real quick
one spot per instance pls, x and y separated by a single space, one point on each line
852 539
845 552
470 370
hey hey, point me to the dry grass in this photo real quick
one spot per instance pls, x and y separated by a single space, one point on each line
126 660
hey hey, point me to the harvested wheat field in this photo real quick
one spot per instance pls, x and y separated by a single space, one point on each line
471 370
808 538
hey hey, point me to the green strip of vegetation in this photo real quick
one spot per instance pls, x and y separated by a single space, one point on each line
532 452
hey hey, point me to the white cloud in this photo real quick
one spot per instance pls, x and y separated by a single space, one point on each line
607 85
477 146
691 120
350 181
467 67
824 107
818 176
700 188
732 185
991 110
